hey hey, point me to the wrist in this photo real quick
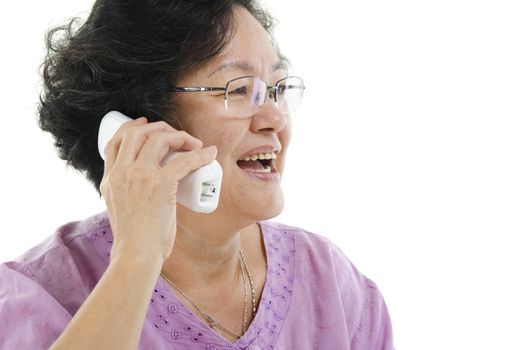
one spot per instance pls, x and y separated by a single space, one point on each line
139 261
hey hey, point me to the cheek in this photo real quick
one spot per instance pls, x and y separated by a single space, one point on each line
206 125
226 139
286 134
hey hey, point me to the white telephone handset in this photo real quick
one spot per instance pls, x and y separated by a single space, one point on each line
198 191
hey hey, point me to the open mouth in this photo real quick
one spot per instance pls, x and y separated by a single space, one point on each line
261 163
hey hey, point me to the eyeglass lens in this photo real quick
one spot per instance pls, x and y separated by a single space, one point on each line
245 95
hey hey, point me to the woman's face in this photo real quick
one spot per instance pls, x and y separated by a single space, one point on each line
204 116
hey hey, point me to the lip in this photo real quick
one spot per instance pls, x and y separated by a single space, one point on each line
274 176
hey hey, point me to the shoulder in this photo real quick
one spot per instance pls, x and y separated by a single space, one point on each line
326 276
65 265
43 288
302 236
312 245
321 259
63 238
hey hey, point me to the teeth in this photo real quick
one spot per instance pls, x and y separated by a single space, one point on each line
268 155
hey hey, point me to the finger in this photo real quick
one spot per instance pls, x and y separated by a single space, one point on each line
112 147
134 139
188 161
158 145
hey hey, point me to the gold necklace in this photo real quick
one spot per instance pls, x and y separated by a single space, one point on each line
254 299
244 321
212 322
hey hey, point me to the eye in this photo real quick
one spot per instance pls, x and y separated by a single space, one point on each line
239 91
280 89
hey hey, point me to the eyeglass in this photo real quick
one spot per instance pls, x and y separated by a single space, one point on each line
244 95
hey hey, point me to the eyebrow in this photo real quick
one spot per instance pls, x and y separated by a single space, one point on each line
246 67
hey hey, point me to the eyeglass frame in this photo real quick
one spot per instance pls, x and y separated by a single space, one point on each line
268 88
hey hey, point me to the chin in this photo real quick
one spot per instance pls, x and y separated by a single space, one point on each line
262 207
266 208
249 198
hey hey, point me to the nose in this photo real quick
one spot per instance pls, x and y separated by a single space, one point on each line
268 116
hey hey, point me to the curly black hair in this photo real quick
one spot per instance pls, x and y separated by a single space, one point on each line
124 57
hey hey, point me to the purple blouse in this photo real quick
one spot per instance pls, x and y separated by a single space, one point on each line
313 298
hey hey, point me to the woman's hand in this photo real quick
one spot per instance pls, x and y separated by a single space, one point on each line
139 193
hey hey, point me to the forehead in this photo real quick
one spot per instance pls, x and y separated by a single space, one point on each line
250 38
250 50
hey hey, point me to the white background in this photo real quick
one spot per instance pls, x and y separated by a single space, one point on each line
410 153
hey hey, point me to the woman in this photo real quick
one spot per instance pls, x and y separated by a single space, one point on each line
149 273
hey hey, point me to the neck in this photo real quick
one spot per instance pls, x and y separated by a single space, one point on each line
206 250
